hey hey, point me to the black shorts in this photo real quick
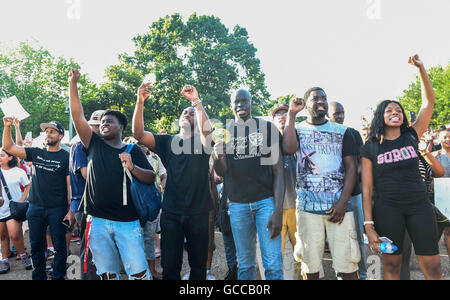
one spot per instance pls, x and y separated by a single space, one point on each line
4 220
442 221
418 218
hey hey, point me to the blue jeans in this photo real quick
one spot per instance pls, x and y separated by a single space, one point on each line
228 244
358 213
247 220
113 242
38 219
149 239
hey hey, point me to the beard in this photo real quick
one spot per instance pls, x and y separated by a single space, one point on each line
52 143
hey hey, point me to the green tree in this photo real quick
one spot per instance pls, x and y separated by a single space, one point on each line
201 52
440 79
39 81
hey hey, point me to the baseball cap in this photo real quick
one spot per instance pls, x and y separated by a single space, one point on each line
95 117
280 107
53 124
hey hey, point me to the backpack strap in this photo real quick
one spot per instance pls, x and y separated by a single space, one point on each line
5 186
126 173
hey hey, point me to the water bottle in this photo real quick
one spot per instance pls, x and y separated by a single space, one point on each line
386 247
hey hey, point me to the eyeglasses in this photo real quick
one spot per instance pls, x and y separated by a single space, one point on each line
281 114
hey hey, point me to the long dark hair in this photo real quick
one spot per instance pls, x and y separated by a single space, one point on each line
14 162
377 127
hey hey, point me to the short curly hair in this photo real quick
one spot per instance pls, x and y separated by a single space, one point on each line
123 120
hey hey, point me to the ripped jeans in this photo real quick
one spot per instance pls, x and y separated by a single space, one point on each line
113 242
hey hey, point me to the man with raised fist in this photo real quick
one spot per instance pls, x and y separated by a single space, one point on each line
115 232
49 195
326 175
187 202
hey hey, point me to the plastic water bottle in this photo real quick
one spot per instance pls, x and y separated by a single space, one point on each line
387 247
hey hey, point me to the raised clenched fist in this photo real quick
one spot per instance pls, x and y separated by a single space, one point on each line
74 75
190 93
415 60
296 105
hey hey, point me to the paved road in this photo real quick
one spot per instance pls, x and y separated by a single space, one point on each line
219 268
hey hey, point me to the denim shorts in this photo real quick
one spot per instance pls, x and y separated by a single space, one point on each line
113 242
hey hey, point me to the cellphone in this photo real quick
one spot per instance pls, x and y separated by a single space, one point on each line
66 223
29 136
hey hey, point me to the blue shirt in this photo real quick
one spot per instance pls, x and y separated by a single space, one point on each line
77 161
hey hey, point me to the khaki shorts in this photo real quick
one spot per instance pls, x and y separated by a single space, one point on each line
342 240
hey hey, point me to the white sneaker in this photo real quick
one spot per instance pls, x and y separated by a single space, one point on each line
186 276
210 276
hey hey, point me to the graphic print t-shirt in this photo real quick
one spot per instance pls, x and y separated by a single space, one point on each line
396 174
249 176
320 165
50 171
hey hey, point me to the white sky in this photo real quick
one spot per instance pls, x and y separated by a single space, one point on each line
356 50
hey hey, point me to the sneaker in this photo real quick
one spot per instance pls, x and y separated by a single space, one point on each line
75 239
186 276
49 254
26 261
231 274
4 267
210 276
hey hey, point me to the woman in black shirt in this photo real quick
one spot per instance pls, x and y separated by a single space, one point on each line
390 164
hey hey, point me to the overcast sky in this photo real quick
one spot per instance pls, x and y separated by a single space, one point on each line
357 50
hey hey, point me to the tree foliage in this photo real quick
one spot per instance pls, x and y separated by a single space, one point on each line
201 52
39 81
411 99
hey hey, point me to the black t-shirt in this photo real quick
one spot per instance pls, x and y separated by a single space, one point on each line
249 177
104 182
396 173
50 171
359 144
187 165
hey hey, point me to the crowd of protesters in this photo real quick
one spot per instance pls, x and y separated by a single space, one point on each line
313 182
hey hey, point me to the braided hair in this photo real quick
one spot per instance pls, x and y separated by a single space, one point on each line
377 127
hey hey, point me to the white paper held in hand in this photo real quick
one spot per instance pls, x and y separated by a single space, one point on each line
149 78
11 108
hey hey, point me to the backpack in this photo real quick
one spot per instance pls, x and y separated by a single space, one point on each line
146 197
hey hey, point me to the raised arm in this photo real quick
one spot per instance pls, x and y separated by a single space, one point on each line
428 97
76 110
190 93
144 137
8 143
290 142
436 167
19 140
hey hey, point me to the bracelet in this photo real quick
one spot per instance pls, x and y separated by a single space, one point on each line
368 223
134 167
196 102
